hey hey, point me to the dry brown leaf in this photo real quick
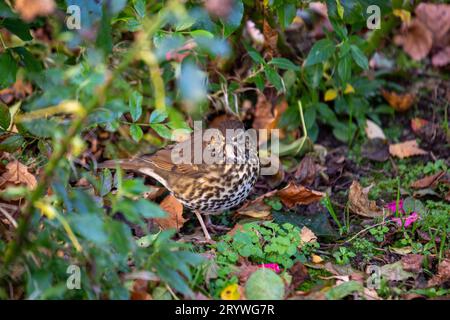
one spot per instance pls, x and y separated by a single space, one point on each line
416 40
406 149
417 124
316 259
400 102
373 131
18 90
443 274
441 58
427 181
30 9
174 210
306 171
299 275
412 262
256 209
360 204
306 235
293 195
17 173
264 119
436 17
270 39
139 291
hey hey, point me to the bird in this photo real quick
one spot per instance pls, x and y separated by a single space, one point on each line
205 187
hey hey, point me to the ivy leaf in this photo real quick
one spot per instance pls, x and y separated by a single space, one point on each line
359 57
320 52
136 132
162 130
135 104
158 116
285 64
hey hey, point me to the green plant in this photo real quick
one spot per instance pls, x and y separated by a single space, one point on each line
343 255
364 247
379 232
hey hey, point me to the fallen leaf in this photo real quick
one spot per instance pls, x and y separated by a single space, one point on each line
373 131
417 124
255 209
395 272
427 181
376 150
443 274
230 292
299 274
139 291
306 171
441 58
307 236
17 91
316 259
416 39
264 284
293 195
174 209
406 149
400 102
264 119
17 173
402 251
436 17
270 39
344 289
359 202
412 263
30 9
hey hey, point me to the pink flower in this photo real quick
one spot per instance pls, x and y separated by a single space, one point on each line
274 266
413 217
393 205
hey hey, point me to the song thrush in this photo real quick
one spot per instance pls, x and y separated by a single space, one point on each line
208 187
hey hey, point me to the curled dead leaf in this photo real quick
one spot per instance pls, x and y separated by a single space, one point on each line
174 209
443 274
360 204
400 102
373 131
427 181
412 263
16 174
307 236
293 195
406 149
416 40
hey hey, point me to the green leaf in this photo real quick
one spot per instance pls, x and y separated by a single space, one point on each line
320 52
344 69
343 290
255 55
134 187
135 105
5 11
202 33
158 116
162 130
285 64
12 143
136 132
18 27
91 227
233 21
30 62
359 57
8 67
264 284
5 117
274 78
104 36
139 7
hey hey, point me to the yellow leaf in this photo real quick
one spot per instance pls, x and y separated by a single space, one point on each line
230 292
316 259
330 95
349 89
404 15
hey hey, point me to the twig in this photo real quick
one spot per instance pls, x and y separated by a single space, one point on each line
9 217
365 230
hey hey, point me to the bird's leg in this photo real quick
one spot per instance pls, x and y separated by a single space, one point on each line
214 227
202 224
